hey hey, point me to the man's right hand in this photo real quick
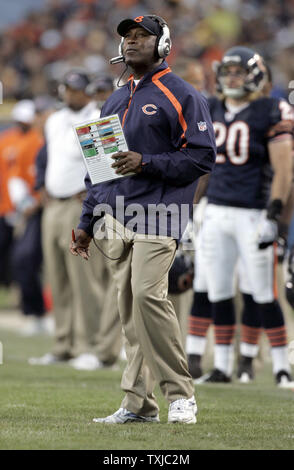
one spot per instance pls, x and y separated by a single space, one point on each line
80 247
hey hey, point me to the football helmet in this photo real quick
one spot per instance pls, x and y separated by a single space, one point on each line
255 71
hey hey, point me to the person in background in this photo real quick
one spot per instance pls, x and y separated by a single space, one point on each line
8 138
100 88
26 256
181 295
109 337
192 71
244 223
77 292
201 313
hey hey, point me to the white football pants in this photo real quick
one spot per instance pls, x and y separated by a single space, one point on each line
230 233
200 282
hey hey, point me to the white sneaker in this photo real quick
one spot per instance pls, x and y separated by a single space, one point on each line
245 378
182 411
46 360
86 361
37 326
122 416
48 325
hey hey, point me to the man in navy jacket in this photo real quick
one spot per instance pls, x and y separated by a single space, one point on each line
169 132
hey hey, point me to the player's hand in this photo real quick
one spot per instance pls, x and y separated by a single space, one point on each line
80 247
267 233
281 249
126 162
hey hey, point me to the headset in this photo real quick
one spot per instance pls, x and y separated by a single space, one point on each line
162 46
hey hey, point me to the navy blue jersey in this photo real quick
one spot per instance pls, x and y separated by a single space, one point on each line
242 174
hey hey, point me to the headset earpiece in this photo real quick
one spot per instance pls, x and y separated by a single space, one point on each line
120 47
164 41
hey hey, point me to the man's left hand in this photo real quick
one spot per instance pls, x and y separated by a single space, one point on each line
80 246
127 162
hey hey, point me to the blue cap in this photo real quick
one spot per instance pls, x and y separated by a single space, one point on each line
76 80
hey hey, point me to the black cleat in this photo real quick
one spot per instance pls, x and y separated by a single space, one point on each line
216 376
245 372
194 366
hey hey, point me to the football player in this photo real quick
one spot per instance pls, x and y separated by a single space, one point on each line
246 194
200 317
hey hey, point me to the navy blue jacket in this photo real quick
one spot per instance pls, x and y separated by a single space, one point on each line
168 122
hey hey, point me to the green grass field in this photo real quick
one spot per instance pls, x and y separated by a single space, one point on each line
52 408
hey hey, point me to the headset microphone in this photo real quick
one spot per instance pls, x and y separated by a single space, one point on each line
120 58
117 60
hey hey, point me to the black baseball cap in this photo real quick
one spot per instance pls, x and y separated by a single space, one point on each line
76 80
149 24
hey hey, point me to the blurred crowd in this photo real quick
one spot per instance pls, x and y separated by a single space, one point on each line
39 50
35 57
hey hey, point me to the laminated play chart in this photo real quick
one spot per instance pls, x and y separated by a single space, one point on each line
98 141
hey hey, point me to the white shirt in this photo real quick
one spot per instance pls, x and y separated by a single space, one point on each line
66 170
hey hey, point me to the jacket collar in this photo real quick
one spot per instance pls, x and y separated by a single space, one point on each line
147 77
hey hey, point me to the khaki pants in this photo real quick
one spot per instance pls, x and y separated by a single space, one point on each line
152 334
77 285
109 338
182 304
